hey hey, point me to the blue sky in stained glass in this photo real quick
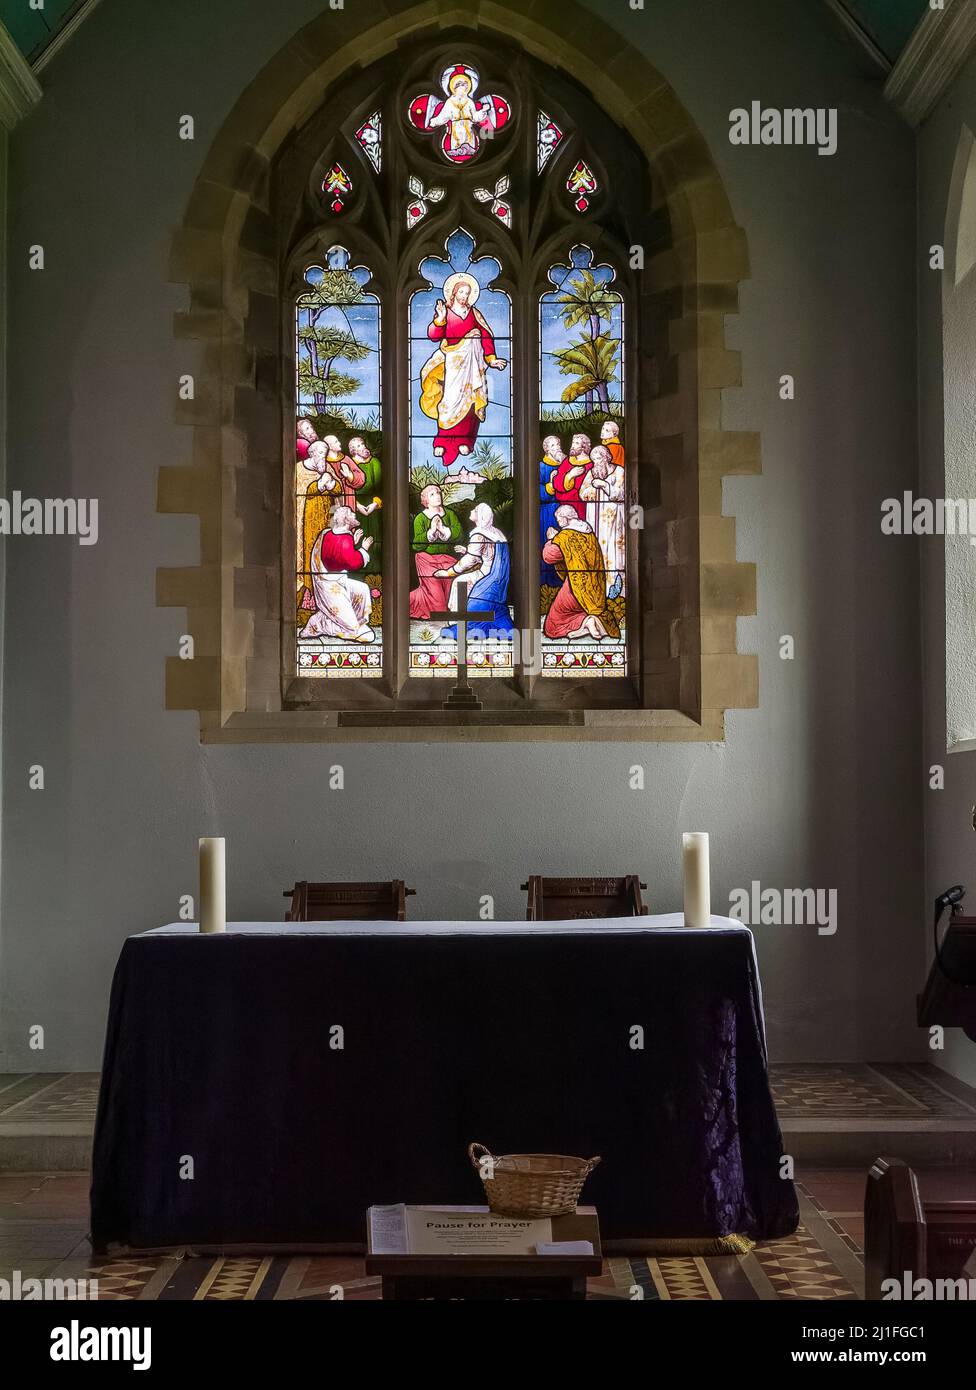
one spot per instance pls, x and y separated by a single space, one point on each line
554 335
362 322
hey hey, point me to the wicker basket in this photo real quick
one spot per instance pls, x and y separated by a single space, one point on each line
531 1184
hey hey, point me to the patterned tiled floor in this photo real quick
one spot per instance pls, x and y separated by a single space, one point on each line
44 1216
846 1091
43 1233
809 1090
837 1196
800 1268
48 1096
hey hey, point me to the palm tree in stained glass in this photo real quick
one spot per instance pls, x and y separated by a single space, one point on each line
593 358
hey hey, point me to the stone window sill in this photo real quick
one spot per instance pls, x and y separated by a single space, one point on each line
442 726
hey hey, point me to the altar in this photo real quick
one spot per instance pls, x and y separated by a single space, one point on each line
263 1087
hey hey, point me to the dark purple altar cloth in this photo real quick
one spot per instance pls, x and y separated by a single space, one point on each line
223 1050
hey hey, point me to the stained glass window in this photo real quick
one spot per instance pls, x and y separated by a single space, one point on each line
582 184
583 471
454 220
548 137
370 138
338 474
497 197
466 119
337 185
461 461
420 200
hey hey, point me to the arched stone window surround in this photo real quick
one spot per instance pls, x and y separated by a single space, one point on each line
225 255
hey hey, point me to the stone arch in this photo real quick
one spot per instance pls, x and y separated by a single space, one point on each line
958 349
224 254
960 228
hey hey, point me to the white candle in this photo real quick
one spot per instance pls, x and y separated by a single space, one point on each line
698 897
213 887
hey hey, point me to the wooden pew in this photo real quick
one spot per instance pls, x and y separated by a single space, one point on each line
906 1236
348 902
561 899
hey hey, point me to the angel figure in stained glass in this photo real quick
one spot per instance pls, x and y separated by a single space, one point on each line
465 122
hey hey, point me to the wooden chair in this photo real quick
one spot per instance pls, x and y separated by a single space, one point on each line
905 1236
949 996
348 902
561 899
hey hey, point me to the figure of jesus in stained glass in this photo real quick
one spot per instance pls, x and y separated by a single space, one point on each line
454 379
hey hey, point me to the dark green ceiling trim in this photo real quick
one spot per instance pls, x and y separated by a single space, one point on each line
888 23
32 30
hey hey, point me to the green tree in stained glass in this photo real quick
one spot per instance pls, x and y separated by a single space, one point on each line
324 346
593 358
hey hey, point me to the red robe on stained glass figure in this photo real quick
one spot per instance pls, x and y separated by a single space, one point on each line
568 477
342 605
454 379
465 122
